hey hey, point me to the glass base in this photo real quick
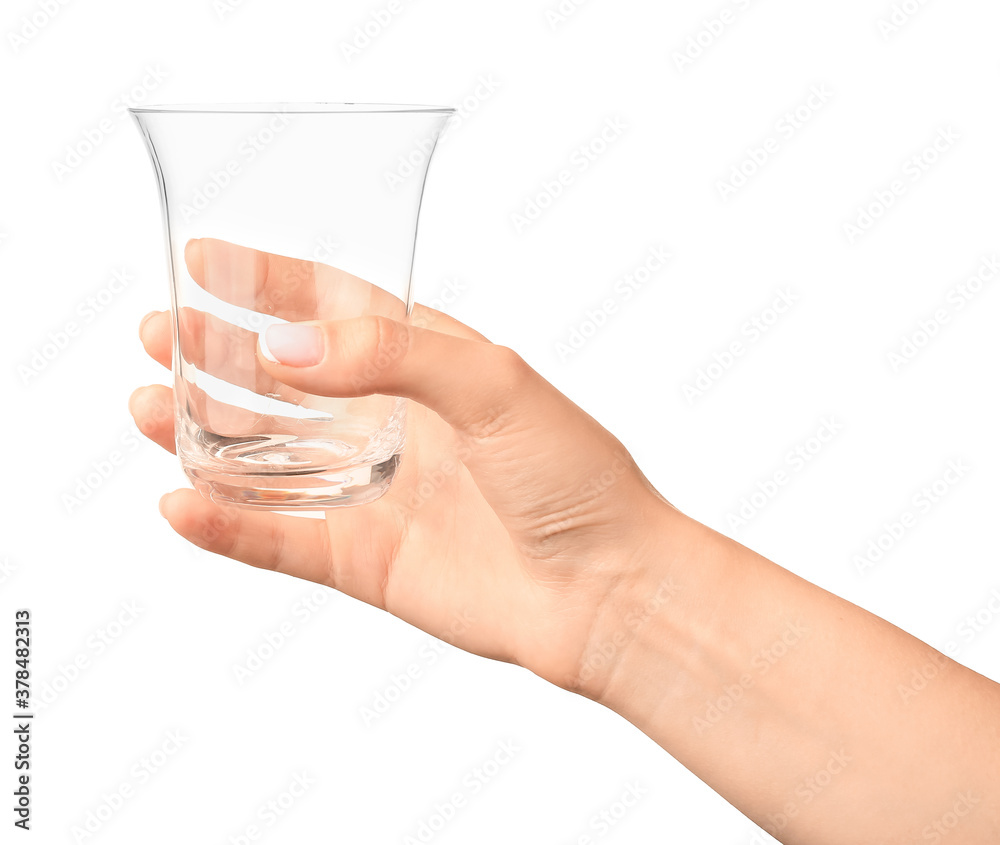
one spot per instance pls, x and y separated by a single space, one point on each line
312 490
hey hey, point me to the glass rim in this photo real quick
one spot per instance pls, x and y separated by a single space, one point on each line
288 108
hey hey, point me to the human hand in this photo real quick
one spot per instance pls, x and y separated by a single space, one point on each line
513 520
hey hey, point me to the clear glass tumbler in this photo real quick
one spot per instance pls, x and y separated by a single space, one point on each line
284 212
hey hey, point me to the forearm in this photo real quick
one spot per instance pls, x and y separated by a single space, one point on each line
817 719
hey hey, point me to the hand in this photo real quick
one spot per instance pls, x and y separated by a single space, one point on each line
514 517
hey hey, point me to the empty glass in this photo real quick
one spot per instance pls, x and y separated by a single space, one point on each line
284 212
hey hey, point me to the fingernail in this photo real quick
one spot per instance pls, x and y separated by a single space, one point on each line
146 319
185 317
292 344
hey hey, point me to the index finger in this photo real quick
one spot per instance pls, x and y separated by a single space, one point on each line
292 289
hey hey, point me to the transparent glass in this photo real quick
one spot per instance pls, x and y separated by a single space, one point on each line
284 212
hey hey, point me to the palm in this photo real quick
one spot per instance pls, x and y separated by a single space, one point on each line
432 551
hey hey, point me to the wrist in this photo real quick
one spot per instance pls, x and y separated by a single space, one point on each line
643 605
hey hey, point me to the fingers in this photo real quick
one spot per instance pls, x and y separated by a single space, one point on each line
216 347
230 272
467 382
288 544
152 408
228 352
156 337
211 344
281 286
238 344
223 419
354 561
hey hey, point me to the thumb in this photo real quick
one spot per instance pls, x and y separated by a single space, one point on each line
553 460
468 383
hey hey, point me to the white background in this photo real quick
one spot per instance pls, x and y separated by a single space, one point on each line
63 234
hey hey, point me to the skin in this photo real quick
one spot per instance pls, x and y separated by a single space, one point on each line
521 530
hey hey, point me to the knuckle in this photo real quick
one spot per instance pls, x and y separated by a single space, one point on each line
511 377
393 340
513 370
383 343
